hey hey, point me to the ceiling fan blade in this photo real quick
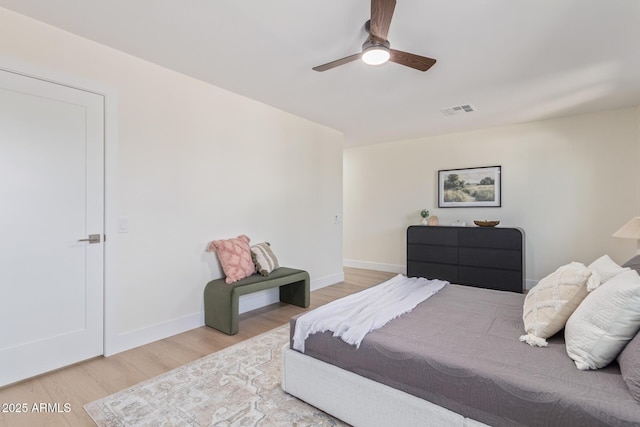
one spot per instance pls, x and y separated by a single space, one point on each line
381 14
418 62
337 62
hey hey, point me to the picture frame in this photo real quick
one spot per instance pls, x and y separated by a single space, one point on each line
470 187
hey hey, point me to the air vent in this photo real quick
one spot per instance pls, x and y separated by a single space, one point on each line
458 110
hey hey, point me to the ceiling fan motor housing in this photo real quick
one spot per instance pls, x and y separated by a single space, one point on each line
375 52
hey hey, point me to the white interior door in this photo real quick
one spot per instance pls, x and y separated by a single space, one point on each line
51 196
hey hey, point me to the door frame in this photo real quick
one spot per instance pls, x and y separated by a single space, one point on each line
110 96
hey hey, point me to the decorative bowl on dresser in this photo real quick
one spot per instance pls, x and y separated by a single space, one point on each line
485 223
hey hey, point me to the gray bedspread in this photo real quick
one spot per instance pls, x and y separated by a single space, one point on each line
460 350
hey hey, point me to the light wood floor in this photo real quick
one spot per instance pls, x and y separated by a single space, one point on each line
100 377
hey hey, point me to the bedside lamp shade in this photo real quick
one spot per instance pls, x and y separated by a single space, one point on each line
630 230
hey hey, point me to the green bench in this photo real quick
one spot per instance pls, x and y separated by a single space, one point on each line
221 299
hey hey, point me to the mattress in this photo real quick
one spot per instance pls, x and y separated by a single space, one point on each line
460 350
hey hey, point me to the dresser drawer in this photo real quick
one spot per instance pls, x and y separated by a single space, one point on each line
433 271
492 258
432 235
483 237
504 280
428 253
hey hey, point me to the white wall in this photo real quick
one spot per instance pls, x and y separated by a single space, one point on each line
569 183
194 163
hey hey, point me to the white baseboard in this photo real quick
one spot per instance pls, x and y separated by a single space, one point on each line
271 296
528 284
325 281
367 265
258 299
148 334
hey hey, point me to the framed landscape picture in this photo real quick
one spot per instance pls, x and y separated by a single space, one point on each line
469 188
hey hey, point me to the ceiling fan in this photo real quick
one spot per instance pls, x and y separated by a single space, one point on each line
376 50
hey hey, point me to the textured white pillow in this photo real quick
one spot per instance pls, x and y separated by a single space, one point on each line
549 304
606 268
604 322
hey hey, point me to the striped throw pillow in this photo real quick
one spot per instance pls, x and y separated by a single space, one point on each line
264 258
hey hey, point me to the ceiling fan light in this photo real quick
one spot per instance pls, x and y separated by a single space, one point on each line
375 54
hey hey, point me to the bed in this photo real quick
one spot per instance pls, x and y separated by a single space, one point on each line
456 359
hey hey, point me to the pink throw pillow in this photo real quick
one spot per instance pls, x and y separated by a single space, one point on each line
235 257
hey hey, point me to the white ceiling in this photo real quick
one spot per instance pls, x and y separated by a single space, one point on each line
514 60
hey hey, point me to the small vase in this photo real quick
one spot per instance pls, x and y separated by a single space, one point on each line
425 221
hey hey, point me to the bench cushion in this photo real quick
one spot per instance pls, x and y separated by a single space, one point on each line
256 282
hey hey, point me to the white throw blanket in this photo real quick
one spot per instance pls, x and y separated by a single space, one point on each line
352 317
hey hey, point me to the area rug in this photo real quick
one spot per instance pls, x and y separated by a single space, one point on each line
237 386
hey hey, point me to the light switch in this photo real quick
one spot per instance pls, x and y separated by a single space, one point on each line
123 225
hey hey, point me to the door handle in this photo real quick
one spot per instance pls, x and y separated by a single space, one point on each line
93 238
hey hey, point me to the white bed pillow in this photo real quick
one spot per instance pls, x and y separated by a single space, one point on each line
549 304
604 322
606 269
